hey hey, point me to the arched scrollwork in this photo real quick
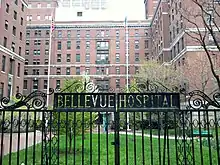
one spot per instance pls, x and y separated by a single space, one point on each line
199 100
35 100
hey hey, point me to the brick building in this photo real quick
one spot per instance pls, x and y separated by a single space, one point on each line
12 46
94 48
172 45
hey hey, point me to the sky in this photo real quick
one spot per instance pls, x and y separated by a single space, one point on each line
116 11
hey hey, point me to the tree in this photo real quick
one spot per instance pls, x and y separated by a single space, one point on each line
202 21
74 123
164 76
196 71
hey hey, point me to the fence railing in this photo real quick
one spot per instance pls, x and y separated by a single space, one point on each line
153 136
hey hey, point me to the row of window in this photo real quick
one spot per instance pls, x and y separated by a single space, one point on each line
100 58
99 71
39 5
68 33
11 66
46 17
58 84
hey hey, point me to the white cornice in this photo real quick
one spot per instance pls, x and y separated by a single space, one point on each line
11 53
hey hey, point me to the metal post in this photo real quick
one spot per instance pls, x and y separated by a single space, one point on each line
127 64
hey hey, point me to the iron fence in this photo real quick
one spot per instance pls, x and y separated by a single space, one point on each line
110 136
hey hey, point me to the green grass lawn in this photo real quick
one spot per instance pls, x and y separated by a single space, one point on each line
104 144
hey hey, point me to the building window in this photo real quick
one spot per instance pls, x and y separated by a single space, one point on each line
117 57
28 33
146 44
87 58
117 70
5 42
137 57
77 70
38 17
18 70
35 84
45 84
22 7
6 25
45 71
26 62
68 57
21 36
117 33
38 5
182 41
37 32
117 45
47 32
26 52
77 44
27 42
57 84
17 89
1 90
29 17
59 46
87 33
68 45
15 15
68 71
36 71
3 63
58 71
48 5
78 33
87 71
47 42
19 50
14 30
136 32
11 66
25 84
13 46
25 72
136 70
79 14
36 52
87 44
68 33
46 61
136 44
58 57
59 33
77 57
7 8
37 42
22 21
117 83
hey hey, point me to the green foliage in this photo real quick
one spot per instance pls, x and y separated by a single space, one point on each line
74 123
162 75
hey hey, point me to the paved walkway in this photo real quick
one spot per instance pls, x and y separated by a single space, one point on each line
14 143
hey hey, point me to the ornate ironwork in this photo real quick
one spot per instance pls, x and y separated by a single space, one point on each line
199 100
35 100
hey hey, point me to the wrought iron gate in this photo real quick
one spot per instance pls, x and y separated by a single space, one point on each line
114 133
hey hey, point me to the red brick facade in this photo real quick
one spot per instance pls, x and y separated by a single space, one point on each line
12 46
